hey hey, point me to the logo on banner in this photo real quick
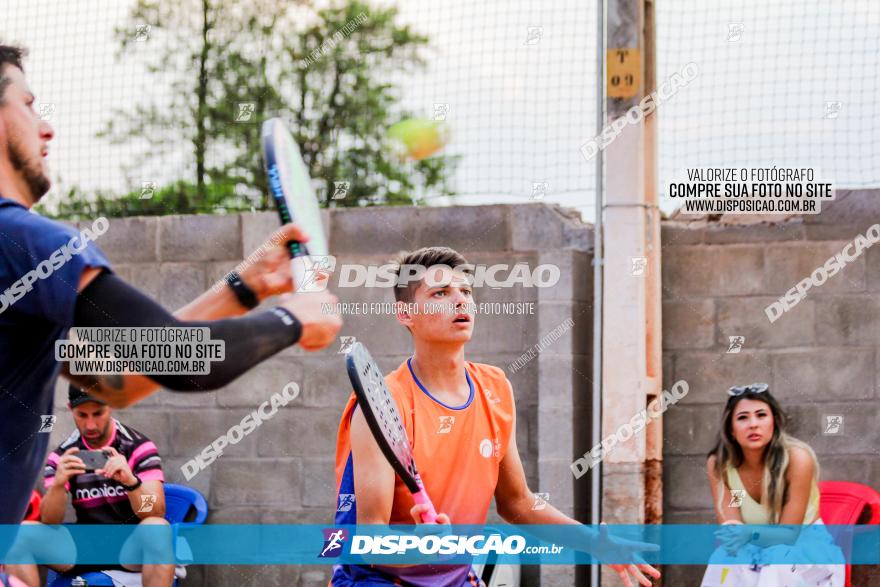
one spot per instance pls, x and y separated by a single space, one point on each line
334 539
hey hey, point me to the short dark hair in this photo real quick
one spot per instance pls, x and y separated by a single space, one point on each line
13 56
425 257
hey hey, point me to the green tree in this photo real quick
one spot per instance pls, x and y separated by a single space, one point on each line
180 197
230 65
173 38
340 64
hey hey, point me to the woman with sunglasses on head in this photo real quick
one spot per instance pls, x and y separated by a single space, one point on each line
759 475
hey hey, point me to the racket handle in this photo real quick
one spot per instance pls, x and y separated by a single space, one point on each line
421 498
296 249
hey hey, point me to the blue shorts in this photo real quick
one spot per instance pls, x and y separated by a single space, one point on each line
351 575
358 576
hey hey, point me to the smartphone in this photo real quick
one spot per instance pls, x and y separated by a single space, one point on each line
93 459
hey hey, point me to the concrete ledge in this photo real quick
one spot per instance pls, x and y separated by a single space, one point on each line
129 240
540 227
200 238
378 231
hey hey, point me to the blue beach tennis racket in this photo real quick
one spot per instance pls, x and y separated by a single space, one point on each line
294 197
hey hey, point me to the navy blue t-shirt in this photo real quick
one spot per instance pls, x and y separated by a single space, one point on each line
40 268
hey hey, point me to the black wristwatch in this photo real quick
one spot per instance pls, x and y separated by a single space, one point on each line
243 293
133 487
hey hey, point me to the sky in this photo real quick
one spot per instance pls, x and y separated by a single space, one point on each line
781 83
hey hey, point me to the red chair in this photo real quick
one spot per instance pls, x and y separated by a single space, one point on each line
33 509
844 503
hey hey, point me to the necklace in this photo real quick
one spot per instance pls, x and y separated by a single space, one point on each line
751 485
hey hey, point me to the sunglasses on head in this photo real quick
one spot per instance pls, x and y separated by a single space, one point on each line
753 388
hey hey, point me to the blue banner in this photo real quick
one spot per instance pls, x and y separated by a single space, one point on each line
220 544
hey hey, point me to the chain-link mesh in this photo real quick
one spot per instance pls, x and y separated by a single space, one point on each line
781 83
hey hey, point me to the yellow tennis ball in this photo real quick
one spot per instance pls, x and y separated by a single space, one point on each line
418 138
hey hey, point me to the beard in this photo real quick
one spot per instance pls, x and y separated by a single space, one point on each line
31 170
104 436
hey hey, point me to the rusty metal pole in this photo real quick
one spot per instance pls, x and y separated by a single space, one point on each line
632 362
598 262
653 302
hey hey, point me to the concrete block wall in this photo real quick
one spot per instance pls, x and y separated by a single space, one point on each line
820 358
283 472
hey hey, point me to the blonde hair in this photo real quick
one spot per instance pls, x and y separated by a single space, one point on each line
728 454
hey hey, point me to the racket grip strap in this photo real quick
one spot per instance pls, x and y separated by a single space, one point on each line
421 498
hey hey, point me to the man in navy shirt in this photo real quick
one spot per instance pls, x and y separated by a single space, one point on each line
53 277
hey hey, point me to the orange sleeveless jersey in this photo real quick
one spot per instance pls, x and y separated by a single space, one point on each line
457 449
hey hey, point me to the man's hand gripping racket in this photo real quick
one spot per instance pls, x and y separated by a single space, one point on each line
291 190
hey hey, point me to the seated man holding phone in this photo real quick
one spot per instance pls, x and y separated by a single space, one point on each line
111 473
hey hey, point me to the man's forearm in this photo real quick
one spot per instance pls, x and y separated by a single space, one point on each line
121 391
524 511
110 302
214 304
53 505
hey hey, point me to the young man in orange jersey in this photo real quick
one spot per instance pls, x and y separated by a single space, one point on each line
461 422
